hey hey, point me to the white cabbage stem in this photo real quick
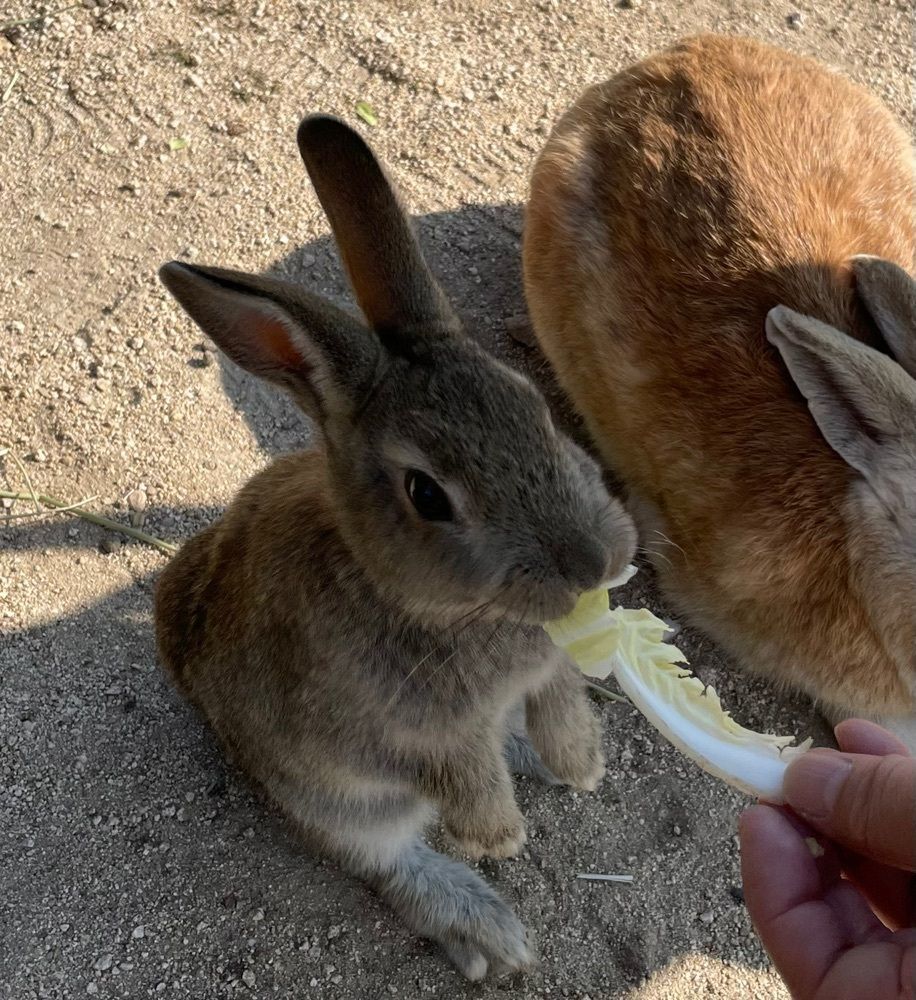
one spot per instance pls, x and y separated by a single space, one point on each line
630 644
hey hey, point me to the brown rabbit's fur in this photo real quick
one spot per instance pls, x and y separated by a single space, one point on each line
673 207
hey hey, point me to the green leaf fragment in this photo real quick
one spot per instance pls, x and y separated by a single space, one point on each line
364 110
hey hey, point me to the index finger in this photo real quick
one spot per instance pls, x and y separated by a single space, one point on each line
861 736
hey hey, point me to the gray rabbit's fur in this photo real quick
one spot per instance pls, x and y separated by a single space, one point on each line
368 668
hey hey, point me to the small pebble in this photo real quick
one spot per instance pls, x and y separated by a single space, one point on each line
17 327
707 916
92 989
104 963
136 500
519 328
795 20
138 932
109 544
248 979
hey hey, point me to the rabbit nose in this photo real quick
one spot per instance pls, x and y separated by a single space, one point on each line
581 560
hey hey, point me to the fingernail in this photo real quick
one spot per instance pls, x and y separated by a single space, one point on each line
813 782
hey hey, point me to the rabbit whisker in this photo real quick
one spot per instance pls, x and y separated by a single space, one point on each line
665 538
655 554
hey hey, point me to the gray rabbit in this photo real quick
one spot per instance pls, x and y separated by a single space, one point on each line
362 626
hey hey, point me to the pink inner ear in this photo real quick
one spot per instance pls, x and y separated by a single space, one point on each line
275 337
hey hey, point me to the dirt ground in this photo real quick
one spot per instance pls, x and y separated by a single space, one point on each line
132 863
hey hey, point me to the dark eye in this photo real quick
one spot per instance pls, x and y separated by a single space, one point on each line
427 496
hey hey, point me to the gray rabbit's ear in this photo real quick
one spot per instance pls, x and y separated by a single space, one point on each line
393 284
324 357
863 402
889 294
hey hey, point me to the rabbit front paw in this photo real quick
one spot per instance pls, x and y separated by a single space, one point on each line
503 840
589 778
578 760
564 730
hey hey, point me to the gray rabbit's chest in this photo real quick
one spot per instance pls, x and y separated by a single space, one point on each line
453 674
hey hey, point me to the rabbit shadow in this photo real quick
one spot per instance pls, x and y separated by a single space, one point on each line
119 809
158 831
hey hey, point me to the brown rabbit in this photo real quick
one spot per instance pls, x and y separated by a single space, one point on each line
362 624
692 270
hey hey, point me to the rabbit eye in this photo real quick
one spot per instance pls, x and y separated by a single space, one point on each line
427 496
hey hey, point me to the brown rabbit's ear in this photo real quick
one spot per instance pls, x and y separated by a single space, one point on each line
324 357
889 294
862 401
393 284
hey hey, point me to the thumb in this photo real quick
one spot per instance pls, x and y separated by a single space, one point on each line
867 804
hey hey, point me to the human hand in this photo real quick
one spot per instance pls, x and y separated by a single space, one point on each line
839 926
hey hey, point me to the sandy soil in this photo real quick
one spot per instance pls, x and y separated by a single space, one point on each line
132 864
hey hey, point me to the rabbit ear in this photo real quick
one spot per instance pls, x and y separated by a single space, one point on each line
324 357
393 284
889 294
862 401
